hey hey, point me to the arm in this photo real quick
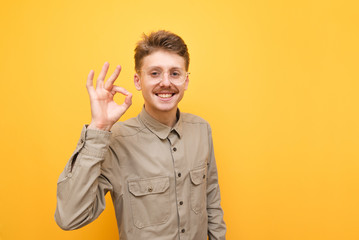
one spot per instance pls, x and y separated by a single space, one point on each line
83 184
216 225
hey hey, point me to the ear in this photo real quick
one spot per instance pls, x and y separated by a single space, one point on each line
136 80
186 83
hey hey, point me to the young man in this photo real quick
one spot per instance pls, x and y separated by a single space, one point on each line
159 167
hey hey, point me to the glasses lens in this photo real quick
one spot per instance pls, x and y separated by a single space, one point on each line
177 76
154 75
174 76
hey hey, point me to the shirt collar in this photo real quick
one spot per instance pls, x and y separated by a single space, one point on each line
161 130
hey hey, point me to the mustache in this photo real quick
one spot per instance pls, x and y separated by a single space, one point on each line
166 89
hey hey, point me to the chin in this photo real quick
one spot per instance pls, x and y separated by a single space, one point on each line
165 107
161 107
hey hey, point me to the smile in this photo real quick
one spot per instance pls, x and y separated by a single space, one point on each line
165 95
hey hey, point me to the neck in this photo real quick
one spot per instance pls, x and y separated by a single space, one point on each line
168 118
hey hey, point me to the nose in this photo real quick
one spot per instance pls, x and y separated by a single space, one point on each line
165 80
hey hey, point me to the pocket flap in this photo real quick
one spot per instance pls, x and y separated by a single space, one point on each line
141 187
198 176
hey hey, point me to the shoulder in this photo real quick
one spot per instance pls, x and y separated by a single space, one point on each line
127 128
188 118
191 118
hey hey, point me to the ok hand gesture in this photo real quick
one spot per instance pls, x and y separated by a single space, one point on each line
104 110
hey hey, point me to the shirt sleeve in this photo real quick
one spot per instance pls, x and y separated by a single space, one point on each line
82 186
216 225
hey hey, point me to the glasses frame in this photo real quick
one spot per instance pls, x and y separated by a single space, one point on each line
161 78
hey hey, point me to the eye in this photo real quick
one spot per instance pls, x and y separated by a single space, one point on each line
155 74
175 74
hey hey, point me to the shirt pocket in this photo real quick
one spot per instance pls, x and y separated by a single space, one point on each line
150 202
198 189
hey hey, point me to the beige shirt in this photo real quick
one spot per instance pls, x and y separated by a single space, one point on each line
163 181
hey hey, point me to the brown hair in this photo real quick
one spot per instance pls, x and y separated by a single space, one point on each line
160 40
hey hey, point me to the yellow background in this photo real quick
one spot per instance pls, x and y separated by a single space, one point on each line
277 80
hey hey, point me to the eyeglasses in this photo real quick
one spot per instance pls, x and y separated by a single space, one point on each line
175 76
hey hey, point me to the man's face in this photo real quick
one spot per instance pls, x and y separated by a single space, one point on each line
161 96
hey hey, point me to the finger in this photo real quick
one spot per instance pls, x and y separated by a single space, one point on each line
119 90
89 83
128 101
112 78
102 74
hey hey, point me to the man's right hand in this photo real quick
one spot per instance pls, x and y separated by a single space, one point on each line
105 112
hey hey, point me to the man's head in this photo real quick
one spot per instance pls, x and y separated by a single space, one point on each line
161 63
160 40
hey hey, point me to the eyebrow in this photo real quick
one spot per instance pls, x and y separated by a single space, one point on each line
173 67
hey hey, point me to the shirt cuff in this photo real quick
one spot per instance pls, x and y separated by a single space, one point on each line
95 142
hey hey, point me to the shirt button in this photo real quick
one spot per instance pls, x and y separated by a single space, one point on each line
183 230
179 175
174 149
181 202
150 189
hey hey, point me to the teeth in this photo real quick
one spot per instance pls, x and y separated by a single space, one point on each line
164 95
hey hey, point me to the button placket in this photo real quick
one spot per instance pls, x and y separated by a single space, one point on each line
177 155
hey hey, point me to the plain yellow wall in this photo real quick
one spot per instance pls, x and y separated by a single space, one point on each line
277 80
